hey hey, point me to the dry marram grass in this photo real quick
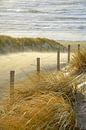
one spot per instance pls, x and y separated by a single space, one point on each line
78 61
46 104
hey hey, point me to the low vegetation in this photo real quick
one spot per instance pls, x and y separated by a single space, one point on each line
78 61
10 44
44 102
73 44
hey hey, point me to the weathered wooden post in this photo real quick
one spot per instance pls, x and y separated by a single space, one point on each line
78 48
58 59
12 76
68 53
38 65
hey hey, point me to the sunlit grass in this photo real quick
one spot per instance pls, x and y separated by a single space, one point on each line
78 61
43 111
43 102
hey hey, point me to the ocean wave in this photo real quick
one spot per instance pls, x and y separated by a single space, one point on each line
47 15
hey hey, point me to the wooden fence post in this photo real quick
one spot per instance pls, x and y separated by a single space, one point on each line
38 65
68 53
58 59
78 47
12 76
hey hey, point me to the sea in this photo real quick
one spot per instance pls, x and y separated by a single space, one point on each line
56 19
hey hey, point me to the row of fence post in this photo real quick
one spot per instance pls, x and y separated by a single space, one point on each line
12 73
58 58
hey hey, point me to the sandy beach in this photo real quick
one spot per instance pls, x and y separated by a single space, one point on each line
24 64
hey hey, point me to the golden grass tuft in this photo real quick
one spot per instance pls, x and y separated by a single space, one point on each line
78 61
47 111
45 104
51 82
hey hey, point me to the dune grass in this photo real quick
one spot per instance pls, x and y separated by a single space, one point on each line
78 61
10 44
43 102
46 111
